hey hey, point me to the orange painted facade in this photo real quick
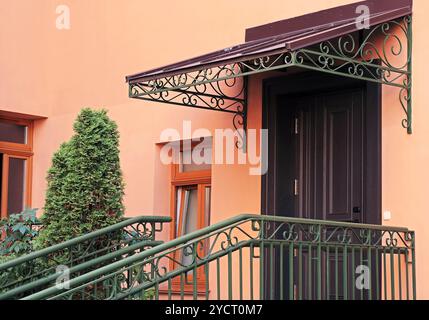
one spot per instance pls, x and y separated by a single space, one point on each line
51 73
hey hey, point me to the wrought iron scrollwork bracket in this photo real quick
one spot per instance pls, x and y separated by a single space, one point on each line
381 54
222 88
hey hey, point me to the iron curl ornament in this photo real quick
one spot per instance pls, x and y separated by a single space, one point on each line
381 54
219 251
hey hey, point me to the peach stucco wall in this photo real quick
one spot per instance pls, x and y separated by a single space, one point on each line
52 73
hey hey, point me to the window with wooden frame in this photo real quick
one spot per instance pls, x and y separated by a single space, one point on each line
190 209
16 152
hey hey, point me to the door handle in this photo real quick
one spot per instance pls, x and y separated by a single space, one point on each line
356 215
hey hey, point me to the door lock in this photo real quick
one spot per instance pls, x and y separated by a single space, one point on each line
356 214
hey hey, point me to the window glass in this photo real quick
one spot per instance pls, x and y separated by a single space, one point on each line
198 159
16 185
192 194
187 215
190 211
178 209
207 206
11 132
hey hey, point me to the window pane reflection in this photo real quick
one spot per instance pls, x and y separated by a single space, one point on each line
11 132
16 185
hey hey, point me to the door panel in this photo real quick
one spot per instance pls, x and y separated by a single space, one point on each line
338 202
338 140
324 156
320 145
343 155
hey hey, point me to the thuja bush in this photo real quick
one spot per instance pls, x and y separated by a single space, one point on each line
85 184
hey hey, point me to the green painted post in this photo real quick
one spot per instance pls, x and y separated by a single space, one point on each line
251 270
319 264
291 271
229 275
240 272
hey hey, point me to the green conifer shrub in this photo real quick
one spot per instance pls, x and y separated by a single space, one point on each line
85 184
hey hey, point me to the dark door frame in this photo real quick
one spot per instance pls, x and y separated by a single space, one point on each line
314 82
304 83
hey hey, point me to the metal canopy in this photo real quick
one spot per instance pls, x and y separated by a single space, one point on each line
327 41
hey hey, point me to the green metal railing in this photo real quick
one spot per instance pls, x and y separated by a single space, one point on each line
35 271
260 257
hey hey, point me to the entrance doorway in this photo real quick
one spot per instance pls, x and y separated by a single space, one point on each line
324 156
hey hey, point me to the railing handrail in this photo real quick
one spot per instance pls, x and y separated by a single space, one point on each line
39 282
74 241
195 235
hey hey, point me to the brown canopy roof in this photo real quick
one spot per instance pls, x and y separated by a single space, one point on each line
287 35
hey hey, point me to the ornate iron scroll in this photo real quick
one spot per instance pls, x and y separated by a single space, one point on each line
116 242
219 88
382 54
185 260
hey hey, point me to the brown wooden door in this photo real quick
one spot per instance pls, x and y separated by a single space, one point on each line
323 172
324 163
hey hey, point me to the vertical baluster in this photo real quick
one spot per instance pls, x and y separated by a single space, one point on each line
182 285
143 294
116 285
169 288
300 271
129 277
319 264
271 275
251 270
229 275
399 274
240 271
384 273
377 274
336 273
361 262
207 276
392 274
261 271
281 271
413 265
370 269
291 272
370 291
194 282
194 270
156 290
345 280
353 273
96 291
328 272
218 278
407 276
309 275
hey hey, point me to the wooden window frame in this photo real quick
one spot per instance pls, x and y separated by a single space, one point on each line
17 151
19 147
192 179
190 176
